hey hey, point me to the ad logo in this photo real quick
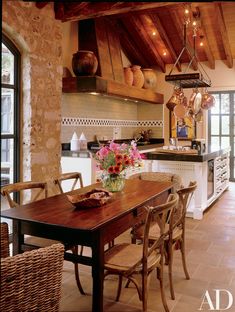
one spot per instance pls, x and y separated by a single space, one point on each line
208 304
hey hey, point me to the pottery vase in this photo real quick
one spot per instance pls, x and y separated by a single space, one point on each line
150 78
138 77
84 63
128 76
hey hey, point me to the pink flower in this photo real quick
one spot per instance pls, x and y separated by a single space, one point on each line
103 152
114 147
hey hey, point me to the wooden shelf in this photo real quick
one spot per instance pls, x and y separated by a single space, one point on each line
96 84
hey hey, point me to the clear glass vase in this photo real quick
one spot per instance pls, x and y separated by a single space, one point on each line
113 182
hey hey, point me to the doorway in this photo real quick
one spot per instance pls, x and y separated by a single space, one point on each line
221 127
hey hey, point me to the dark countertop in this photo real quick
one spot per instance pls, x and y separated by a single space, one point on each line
210 154
80 154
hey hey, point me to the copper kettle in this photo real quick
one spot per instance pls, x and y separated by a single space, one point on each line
174 100
208 101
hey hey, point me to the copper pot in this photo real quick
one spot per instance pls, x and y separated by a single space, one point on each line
173 101
208 101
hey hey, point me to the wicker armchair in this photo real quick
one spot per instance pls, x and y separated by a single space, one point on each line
31 281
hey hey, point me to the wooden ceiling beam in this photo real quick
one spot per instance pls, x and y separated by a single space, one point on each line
145 40
224 34
179 29
165 38
206 45
74 11
132 52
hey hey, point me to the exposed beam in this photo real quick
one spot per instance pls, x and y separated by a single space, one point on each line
223 31
132 51
74 11
144 40
165 38
41 5
206 45
179 29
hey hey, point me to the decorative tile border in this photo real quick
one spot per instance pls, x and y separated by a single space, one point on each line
96 122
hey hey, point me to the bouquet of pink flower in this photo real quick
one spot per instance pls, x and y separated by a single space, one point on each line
115 158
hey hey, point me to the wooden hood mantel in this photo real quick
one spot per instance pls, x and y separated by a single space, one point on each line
100 36
99 85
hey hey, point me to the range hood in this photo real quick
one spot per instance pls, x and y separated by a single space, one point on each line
99 35
98 85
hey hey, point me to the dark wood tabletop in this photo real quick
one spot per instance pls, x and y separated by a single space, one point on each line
57 210
56 218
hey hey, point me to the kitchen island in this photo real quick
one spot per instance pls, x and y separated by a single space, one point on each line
210 170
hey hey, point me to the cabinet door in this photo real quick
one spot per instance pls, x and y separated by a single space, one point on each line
83 165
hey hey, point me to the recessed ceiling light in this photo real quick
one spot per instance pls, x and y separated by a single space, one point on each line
154 33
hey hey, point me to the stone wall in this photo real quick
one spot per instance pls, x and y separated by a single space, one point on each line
38 37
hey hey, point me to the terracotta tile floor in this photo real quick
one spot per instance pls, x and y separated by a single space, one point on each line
210 245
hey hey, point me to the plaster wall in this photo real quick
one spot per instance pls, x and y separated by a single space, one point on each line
38 37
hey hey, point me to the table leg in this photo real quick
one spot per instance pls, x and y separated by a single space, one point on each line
17 238
97 274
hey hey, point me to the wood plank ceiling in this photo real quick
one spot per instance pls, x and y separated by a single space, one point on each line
151 33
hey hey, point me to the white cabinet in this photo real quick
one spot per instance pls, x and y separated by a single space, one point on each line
86 166
222 173
198 171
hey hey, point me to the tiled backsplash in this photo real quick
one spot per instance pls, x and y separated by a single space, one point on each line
101 116
96 122
104 128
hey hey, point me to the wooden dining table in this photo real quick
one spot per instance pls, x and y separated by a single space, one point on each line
56 218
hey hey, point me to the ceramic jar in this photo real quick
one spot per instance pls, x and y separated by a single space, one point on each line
128 76
150 78
138 77
84 63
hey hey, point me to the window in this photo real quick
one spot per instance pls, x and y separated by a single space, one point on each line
221 130
10 108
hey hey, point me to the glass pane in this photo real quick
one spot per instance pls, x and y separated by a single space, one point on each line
225 124
7 111
7 169
7 65
216 108
214 124
225 142
215 142
225 103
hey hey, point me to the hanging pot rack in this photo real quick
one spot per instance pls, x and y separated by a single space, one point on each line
189 80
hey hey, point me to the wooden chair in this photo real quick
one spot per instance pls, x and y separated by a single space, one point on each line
39 190
32 242
75 177
126 260
31 281
176 239
160 177
136 232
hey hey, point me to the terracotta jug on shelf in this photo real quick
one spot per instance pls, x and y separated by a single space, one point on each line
150 78
84 63
128 76
138 76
